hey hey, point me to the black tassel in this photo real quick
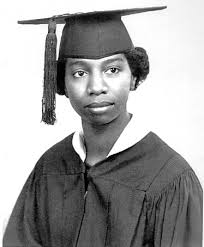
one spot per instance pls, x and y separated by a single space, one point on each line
50 76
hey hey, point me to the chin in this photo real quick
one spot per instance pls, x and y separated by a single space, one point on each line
101 120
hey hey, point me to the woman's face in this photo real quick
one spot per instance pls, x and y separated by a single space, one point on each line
98 89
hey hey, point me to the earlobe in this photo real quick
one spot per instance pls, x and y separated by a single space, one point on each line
133 84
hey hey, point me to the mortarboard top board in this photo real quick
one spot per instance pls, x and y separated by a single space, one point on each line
61 19
90 35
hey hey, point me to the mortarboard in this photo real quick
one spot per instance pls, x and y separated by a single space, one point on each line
90 35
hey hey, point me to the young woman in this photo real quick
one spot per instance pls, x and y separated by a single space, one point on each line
110 183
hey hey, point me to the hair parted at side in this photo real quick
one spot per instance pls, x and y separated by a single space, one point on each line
137 59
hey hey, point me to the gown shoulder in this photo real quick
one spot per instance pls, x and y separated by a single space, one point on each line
174 200
59 159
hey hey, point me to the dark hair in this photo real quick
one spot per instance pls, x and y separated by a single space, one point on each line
60 77
139 64
137 59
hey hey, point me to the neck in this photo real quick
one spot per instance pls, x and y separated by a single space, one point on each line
99 139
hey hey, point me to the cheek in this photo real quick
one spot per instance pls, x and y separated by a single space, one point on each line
122 88
124 96
75 97
75 93
76 103
73 89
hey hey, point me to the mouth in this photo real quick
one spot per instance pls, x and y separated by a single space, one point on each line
99 107
99 104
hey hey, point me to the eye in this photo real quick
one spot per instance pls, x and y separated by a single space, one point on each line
112 70
79 73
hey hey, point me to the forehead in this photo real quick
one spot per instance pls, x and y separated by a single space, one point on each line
109 59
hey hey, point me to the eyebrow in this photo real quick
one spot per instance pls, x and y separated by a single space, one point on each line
112 60
76 63
81 62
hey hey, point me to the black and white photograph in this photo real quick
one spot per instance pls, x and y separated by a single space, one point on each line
102 123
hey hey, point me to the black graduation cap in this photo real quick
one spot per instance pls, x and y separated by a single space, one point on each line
90 35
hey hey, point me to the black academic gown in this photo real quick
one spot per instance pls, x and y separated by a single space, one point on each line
146 195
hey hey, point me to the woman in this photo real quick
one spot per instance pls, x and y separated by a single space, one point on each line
110 183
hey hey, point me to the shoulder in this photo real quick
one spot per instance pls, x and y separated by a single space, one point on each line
59 159
58 150
172 167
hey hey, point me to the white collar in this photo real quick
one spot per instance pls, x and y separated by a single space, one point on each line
133 133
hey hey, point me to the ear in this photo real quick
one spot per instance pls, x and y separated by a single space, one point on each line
133 83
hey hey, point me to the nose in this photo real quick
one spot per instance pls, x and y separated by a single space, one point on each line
97 84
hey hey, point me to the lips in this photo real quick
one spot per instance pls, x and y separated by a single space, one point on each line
98 108
99 104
